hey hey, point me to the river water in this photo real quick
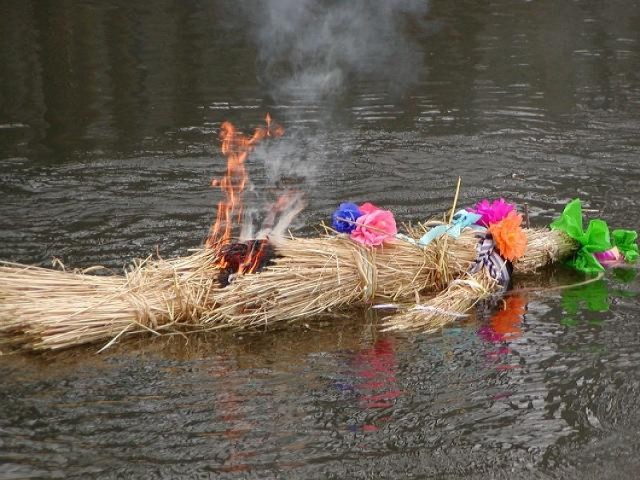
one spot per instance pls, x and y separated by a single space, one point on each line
109 115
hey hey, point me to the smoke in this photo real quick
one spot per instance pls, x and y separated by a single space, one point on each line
312 49
287 160
311 52
286 165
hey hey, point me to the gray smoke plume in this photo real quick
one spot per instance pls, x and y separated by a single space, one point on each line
310 52
312 49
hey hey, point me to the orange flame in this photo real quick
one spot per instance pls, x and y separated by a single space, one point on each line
254 259
236 148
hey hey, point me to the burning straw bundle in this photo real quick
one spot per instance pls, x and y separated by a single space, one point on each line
46 309
317 275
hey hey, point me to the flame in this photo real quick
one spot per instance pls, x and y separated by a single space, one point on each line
254 259
236 147
273 129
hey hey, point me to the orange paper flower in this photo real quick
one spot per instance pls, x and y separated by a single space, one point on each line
509 237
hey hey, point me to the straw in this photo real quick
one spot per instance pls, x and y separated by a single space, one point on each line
446 307
49 309
43 309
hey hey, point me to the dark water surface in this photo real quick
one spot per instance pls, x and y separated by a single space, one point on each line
109 114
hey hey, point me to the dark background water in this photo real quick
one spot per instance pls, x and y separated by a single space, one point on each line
109 114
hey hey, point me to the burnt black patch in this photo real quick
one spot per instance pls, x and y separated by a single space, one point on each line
252 255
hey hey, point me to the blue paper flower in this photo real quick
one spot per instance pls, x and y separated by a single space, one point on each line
344 218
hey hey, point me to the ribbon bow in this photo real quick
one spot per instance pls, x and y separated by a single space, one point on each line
460 220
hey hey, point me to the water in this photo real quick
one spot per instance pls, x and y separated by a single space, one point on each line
109 113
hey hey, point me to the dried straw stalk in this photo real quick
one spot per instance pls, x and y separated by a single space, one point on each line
544 247
317 275
446 307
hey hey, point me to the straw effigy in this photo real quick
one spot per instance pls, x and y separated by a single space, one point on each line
43 309
287 280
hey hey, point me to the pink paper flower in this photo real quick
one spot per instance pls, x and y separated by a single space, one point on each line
608 257
368 207
375 228
492 212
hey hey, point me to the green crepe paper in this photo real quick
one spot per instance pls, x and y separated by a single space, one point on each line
595 239
625 240
585 262
570 222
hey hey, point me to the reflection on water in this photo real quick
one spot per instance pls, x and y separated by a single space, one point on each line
109 114
124 76
327 400
596 296
377 368
375 385
505 323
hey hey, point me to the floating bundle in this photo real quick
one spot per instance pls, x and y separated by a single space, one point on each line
318 275
42 309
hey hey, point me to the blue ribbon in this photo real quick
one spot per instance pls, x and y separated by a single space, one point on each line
460 221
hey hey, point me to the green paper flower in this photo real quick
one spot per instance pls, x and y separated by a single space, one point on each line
595 239
585 262
626 240
570 221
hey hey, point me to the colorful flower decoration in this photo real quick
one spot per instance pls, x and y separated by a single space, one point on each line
626 242
609 257
597 245
375 228
368 207
461 220
509 237
492 212
594 240
343 220
367 224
